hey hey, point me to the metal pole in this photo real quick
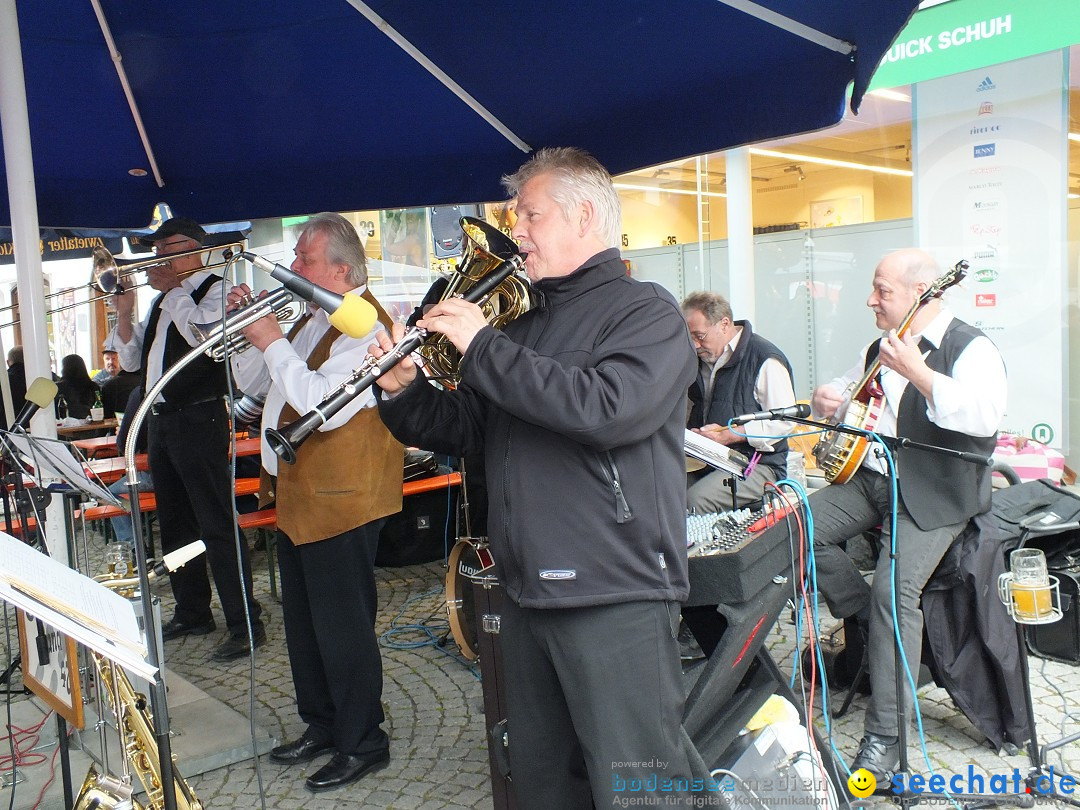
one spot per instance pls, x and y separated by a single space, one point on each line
25 232
740 217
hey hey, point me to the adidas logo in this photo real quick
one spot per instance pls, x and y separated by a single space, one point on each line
985 84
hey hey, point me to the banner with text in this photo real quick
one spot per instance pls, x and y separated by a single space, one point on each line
968 34
990 152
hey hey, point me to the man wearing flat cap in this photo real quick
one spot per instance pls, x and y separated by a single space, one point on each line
189 438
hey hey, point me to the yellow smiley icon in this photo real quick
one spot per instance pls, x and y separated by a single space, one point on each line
861 783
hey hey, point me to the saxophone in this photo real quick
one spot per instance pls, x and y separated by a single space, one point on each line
140 748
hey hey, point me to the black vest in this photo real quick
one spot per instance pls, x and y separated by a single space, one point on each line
733 393
938 490
202 379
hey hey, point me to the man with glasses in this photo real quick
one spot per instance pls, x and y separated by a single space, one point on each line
189 439
739 372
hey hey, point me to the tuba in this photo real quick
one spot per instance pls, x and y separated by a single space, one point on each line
485 249
139 747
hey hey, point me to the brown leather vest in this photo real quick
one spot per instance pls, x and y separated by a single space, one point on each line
342 478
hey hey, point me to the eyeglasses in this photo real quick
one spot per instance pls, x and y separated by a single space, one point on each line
158 246
699 337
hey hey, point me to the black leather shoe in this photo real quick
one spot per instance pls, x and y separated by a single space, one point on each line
879 755
174 629
344 769
237 646
300 750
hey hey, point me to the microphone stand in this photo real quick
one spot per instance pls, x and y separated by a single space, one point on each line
907 798
158 701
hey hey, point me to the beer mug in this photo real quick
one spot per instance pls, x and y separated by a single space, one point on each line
118 560
1026 586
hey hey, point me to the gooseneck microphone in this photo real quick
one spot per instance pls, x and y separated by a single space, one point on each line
41 392
350 313
796 411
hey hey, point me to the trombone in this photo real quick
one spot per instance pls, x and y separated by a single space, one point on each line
110 279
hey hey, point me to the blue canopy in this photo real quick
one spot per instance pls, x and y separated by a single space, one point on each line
266 108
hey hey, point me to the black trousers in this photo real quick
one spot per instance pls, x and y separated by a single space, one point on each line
189 460
595 702
328 599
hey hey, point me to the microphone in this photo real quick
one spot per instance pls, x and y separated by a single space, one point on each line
41 392
797 411
350 313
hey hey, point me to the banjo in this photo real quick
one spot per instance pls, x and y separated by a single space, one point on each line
839 455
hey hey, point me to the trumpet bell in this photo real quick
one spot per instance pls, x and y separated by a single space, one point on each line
486 248
104 792
105 272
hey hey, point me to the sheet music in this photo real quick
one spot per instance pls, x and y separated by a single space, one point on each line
716 455
74 604
54 457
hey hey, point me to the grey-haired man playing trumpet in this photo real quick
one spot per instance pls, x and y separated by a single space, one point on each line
331 505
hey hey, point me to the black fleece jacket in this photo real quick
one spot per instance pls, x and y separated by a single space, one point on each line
579 408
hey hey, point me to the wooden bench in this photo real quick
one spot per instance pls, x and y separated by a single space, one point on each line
264 522
408 488
148 505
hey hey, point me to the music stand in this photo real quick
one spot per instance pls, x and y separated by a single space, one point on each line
718 456
46 459
61 459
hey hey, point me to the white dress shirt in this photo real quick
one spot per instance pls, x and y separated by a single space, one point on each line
971 401
772 388
281 374
177 308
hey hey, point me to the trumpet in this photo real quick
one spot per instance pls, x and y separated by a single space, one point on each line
109 279
492 258
225 337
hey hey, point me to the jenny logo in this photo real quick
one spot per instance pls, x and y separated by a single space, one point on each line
982 150
984 85
558 573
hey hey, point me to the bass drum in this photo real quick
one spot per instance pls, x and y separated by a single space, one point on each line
470 562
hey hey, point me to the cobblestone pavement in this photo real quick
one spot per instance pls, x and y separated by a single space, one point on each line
435 719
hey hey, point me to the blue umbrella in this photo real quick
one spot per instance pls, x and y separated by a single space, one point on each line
235 109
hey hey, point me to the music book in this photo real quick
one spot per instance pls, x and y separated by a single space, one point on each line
74 604
61 460
716 455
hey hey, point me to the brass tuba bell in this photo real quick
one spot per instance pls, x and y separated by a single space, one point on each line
486 248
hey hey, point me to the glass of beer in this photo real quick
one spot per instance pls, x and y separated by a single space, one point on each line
1030 585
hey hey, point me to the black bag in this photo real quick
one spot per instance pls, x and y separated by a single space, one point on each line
424 530
1060 640
419 464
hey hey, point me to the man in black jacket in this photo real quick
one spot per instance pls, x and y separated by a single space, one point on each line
739 372
579 408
